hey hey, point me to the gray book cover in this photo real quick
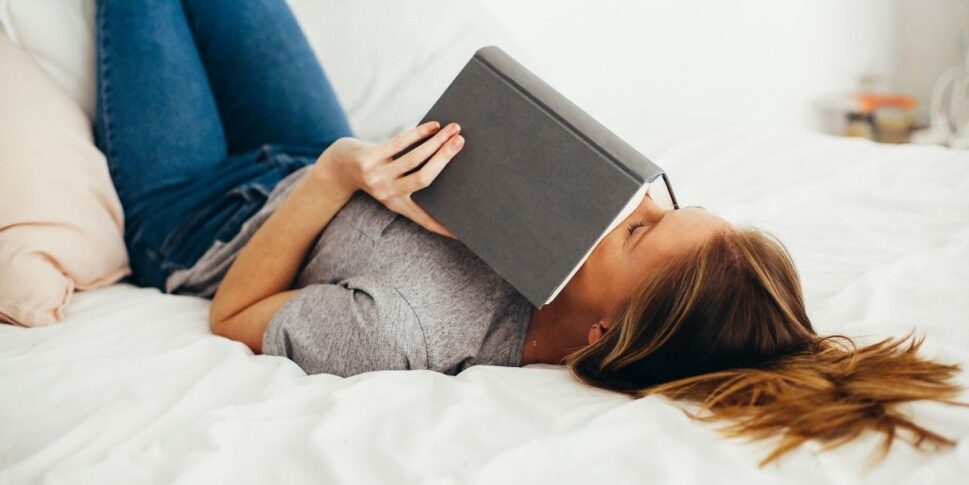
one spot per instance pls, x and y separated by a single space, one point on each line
538 183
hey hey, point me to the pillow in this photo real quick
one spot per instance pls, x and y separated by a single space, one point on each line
60 219
59 36
388 60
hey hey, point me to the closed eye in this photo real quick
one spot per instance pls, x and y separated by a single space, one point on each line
632 226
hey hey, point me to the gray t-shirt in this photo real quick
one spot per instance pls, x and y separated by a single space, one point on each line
378 292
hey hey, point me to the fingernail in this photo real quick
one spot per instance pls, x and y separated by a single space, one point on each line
453 128
434 125
457 142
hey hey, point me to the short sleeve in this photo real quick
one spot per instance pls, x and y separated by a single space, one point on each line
356 326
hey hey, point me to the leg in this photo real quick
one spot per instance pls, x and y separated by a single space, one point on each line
157 121
266 79
159 127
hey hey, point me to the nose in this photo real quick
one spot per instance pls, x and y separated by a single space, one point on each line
649 207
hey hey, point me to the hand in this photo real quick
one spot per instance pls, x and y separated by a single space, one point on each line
357 165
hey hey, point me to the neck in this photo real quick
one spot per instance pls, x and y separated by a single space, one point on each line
556 330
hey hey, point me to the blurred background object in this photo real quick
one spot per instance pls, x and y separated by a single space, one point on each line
749 61
872 112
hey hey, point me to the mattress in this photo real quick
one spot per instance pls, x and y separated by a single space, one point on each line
133 388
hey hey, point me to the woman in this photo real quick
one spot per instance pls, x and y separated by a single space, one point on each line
239 176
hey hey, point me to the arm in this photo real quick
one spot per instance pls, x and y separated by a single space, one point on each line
260 279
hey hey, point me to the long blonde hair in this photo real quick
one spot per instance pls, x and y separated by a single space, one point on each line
725 325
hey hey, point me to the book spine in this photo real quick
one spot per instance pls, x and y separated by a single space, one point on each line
581 124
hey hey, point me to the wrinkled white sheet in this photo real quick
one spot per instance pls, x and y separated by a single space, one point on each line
132 388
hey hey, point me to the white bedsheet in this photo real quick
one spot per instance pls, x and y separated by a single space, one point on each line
132 388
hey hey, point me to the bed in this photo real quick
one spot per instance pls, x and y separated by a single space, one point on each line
133 388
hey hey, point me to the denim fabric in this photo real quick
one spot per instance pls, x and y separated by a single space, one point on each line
202 107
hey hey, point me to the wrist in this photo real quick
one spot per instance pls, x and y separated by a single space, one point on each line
326 181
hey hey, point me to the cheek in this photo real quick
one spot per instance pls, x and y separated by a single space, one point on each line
581 282
602 274
597 263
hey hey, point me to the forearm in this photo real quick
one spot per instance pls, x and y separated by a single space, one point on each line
257 283
261 278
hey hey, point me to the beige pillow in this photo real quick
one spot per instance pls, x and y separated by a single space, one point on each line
61 223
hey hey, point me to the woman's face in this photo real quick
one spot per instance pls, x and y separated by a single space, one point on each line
627 254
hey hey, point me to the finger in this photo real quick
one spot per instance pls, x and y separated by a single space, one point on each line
407 138
423 177
419 154
415 213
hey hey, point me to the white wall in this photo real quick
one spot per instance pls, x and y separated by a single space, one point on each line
756 61
928 41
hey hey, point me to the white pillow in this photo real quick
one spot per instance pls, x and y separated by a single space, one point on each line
58 35
388 60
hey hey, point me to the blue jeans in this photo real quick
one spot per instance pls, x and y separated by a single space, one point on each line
202 107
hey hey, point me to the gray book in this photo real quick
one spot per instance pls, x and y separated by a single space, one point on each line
539 182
